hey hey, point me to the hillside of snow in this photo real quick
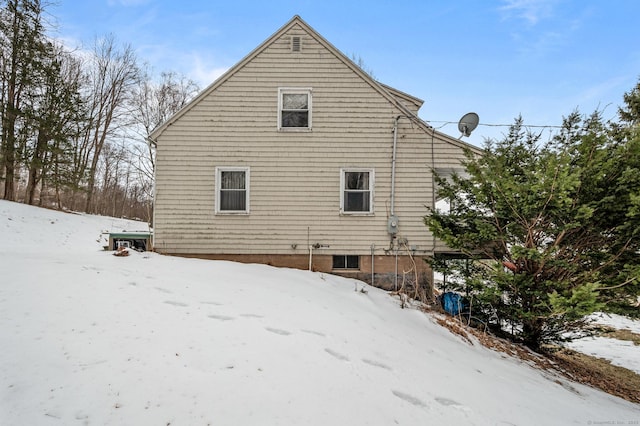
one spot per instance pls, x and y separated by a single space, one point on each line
89 338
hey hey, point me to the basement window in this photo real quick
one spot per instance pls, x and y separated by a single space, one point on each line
346 262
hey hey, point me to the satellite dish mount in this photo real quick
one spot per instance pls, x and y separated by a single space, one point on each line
468 123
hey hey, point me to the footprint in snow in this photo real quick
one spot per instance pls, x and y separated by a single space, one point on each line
451 403
376 364
317 333
336 355
446 401
174 303
221 317
409 398
278 331
251 316
81 415
163 290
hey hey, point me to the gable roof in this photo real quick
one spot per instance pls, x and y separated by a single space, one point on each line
394 96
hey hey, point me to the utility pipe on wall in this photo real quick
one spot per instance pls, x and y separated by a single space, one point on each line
373 248
392 220
310 248
393 166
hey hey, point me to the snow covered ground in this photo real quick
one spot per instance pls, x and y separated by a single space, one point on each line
89 338
620 352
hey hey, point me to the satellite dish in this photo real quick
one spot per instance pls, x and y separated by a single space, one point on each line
468 123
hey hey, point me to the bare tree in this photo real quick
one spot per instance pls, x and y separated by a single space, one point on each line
154 103
76 125
113 74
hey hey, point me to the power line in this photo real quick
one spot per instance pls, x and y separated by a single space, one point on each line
551 126
523 125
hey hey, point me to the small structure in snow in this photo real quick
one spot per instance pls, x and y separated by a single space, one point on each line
137 240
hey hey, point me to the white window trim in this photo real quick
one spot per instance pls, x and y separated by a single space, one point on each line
247 180
295 90
372 181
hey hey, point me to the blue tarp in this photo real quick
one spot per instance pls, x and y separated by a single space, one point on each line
452 303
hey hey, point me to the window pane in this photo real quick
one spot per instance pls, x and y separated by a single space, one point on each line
233 190
356 180
295 119
356 201
339 262
353 262
233 200
295 101
232 180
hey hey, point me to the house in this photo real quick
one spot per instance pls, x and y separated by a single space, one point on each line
296 157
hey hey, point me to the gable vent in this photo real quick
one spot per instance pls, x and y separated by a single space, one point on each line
295 44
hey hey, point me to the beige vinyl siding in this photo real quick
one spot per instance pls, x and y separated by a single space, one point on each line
295 175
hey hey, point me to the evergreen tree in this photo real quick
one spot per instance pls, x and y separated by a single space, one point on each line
54 117
553 226
22 44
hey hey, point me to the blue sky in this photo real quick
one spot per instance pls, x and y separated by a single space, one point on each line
541 59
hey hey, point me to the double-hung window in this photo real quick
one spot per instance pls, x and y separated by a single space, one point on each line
294 109
232 190
356 193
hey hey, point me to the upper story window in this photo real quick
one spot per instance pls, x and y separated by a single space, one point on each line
232 190
294 109
356 194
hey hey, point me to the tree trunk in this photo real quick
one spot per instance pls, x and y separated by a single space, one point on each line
36 165
9 176
10 113
9 138
42 188
532 334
